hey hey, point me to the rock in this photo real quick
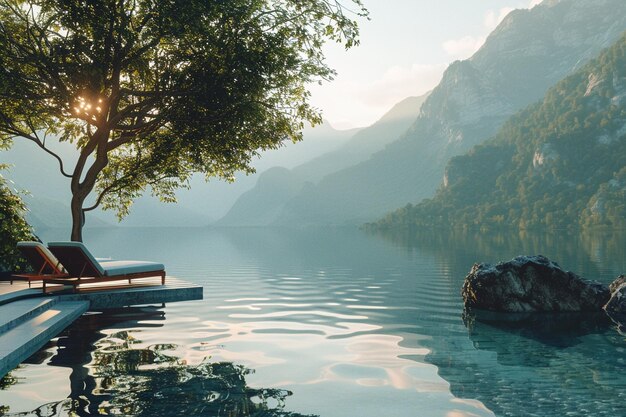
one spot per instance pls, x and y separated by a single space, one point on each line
531 284
617 302
616 307
619 281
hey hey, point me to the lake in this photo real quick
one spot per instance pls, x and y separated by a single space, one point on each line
331 323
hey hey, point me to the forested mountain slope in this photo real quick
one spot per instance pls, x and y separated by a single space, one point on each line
559 163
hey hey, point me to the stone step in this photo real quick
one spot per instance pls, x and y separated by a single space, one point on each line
18 312
16 295
20 342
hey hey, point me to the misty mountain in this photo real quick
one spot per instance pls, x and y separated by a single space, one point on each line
216 198
48 196
527 53
263 205
560 163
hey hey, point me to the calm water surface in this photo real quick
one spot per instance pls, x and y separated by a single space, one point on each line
329 323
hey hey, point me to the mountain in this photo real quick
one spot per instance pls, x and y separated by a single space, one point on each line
216 198
265 203
366 142
527 53
48 192
559 163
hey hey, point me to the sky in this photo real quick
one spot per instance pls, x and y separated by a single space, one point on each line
404 49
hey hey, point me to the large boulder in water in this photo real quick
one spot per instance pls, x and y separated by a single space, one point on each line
528 284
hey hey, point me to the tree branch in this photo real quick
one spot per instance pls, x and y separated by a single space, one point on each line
104 191
35 139
118 184
58 158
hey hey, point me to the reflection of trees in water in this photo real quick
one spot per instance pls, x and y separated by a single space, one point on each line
112 376
587 253
8 380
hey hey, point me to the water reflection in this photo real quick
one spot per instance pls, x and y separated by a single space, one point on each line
543 366
355 325
113 375
558 330
529 364
588 253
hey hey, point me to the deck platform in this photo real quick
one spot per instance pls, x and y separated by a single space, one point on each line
147 291
29 318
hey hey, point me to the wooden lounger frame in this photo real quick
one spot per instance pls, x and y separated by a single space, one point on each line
40 275
35 277
76 281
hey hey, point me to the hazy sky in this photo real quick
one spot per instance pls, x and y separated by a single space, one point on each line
404 49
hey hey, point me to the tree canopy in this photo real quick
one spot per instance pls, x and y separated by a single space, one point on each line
151 91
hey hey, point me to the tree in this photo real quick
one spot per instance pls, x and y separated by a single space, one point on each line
13 227
151 91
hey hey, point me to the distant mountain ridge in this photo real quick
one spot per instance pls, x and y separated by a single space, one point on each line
560 163
265 203
527 53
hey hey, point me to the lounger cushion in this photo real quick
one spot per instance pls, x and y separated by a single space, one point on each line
115 268
84 249
108 268
44 250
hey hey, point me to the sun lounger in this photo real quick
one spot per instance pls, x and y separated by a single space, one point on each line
45 265
83 268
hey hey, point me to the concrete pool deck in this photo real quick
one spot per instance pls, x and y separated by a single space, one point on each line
29 318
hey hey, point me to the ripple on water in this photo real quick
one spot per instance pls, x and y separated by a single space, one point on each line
376 330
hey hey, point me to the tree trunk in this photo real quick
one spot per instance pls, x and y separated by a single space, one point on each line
80 190
78 218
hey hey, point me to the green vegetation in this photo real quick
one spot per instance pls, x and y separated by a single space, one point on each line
13 227
558 164
150 91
